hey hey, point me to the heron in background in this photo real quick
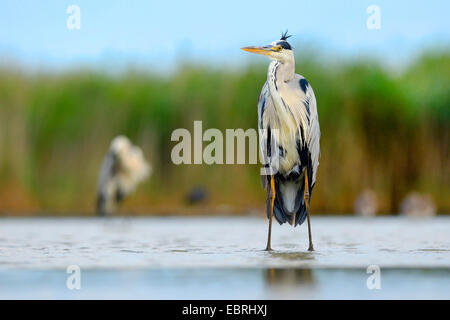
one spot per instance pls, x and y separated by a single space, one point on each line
366 204
123 168
417 205
289 138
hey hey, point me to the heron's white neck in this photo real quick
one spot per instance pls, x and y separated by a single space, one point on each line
277 74
281 71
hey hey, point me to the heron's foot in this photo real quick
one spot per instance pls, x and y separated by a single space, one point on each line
311 248
268 249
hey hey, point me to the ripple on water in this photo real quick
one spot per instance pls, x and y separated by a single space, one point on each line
131 251
433 250
387 250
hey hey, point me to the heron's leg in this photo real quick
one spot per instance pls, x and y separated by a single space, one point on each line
307 198
272 201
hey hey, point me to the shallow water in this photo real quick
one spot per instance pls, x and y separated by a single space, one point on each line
223 258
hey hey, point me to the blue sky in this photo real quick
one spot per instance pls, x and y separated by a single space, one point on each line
118 33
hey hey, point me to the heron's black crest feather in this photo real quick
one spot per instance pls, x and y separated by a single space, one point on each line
285 36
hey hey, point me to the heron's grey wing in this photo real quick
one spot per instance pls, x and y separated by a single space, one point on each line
263 102
107 171
105 179
304 106
314 133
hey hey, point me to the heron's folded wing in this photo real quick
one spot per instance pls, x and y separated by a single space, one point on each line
107 170
264 135
314 134
299 96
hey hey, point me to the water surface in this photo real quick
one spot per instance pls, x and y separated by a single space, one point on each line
223 258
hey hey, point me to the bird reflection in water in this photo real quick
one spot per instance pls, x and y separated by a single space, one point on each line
289 277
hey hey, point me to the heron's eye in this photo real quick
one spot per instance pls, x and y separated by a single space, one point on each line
277 48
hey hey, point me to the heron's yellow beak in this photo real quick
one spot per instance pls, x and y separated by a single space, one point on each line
266 50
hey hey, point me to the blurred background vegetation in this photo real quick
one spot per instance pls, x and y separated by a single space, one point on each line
382 129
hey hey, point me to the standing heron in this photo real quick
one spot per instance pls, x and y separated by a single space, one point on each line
123 168
289 137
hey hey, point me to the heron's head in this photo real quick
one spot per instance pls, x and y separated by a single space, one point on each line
130 157
279 50
120 145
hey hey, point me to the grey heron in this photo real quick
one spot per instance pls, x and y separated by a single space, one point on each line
123 168
287 118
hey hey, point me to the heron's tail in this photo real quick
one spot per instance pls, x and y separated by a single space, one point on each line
289 203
